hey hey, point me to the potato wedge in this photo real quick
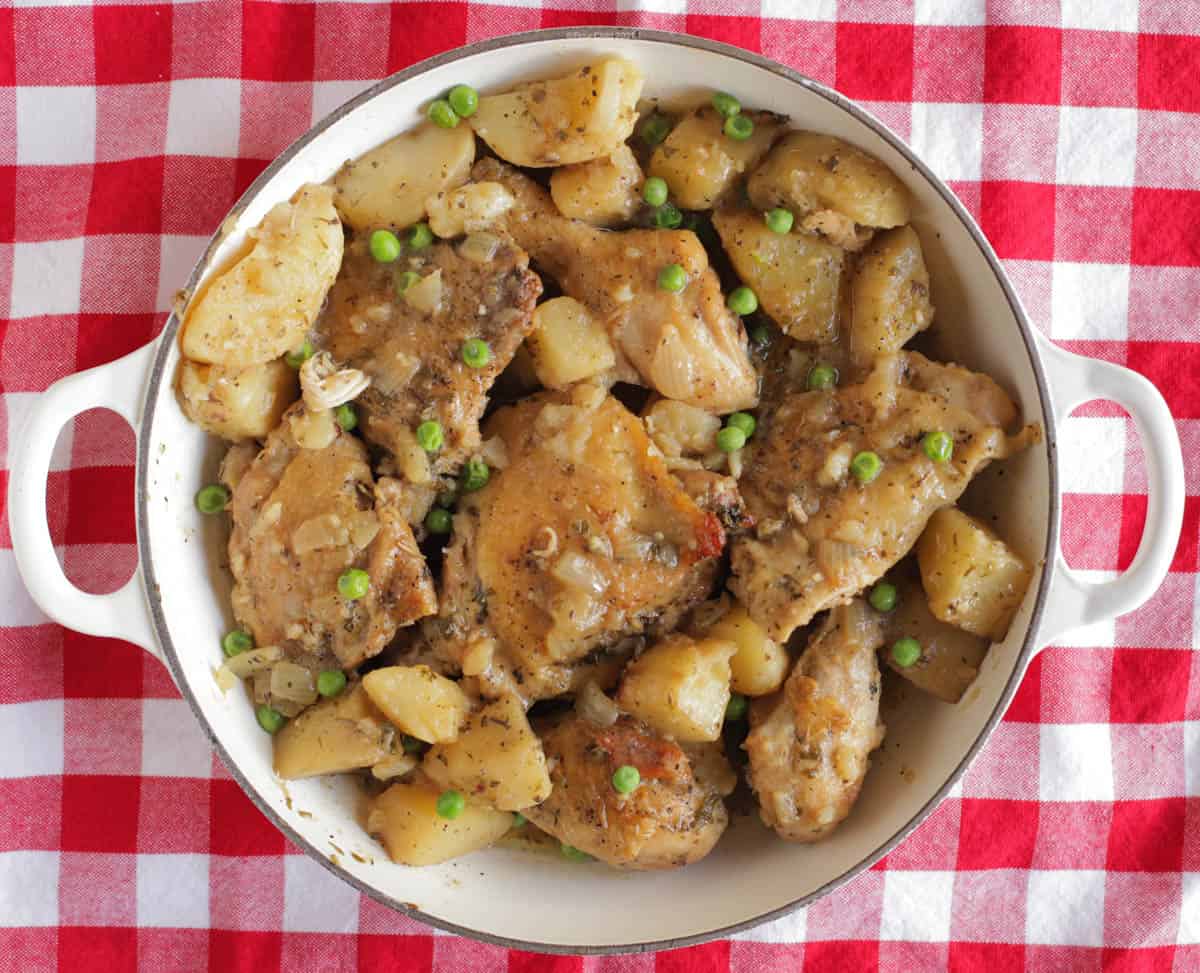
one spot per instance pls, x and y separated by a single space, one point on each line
971 577
586 115
419 701
405 819
389 185
760 664
807 172
680 686
700 162
497 760
889 295
567 343
261 307
340 734
796 276
603 192
237 404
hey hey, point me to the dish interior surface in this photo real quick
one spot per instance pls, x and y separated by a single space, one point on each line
543 900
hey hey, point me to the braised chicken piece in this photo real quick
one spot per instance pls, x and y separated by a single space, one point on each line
582 540
822 535
810 743
686 345
414 357
672 818
301 517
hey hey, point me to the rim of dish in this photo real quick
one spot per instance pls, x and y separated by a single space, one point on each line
167 337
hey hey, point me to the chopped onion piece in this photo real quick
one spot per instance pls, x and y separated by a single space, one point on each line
390 768
426 295
593 705
247 664
479 248
293 683
578 571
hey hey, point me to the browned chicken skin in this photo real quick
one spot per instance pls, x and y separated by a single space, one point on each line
300 518
688 346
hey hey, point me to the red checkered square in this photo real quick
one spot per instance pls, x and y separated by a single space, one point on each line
740 31
273 115
969 194
206 40
752 957
94 948
710 956
100 814
948 64
1018 143
810 48
103 338
997 834
239 828
120 274
31 662
245 893
8 203
101 506
1168 151
126 197
1141 911
1007 766
102 736
102 438
96 668
852 912
350 43
875 61
1148 760
1018 218
989 906
484 20
1072 834
1147 836
413 954
244 952
1026 704
197 193
1022 65
31 949
174 816
1174 596
1191 835
100 568
420 30
1164 227
173 949
1091 530
133 44
1062 959
1076 686
53 46
8 47
840 957
80 879
1091 224
1167 76
551 18
157 684
131 121
1099 68
30 813
36 351
1149 685
1173 367
894 114
278 41
986 958
902 956
934 845
455 953
63 192
320 951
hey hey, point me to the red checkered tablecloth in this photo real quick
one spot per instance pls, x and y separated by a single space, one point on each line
1072 132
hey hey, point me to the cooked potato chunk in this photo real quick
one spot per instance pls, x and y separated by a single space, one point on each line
760 664
971 577
237 403
390 184
679 429
950 658
583 116
261 307
405 819
889 295
419 701
567 343
340 734
468 208
604 192
700 162
796 276
680 686
496 761
808 172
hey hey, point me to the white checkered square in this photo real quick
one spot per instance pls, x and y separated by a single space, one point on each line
172 742
784 9
1089 302
19 608
28 888
56 126
791 928
315 900
47 277
177 258
1065 908
172 890
1091 454
1076 762
950 138
33 737
1189 915
1096 146
328 95
916 906
951 13
1108 15
1191 757
204 117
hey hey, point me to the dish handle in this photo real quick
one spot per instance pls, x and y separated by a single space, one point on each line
123 614
1073 602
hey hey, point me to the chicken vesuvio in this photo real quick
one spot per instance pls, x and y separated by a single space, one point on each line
579 474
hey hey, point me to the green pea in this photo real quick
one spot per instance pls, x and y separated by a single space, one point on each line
430 436
672 278
519 820
779 220
906 652
269 719
441 114
236 642
476 353
464 100
450 805
654 129
331 682
668 217
743 421
866 466
726 105
438 521
625 779
655 191
938 446
406 280
475 475
353 583
300 355
742 301
760 334
419 236
346 417
822 376
736 708
573 854
212 499
385 246
883 596
739 127
730 439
